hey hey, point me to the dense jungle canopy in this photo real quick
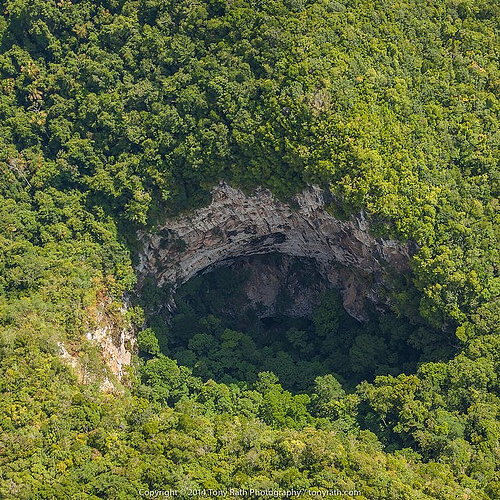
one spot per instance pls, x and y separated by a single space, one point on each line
117 114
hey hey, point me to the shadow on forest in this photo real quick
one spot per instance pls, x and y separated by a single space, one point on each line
219 335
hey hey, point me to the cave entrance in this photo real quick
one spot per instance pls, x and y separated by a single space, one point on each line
279 313
237 225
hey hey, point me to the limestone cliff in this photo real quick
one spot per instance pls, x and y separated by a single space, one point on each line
113 337
236 225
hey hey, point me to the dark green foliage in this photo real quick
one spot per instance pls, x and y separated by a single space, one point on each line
210 333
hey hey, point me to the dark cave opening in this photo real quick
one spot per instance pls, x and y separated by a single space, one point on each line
278 313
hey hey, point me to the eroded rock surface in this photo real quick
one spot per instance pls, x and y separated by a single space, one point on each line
236 225
109 329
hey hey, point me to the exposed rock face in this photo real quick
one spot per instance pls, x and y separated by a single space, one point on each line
236 225
109 329
276 285
113 347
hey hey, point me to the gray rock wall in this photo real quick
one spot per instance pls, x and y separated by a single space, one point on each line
235 225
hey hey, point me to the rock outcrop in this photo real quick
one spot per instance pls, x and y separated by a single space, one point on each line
112 333
236 225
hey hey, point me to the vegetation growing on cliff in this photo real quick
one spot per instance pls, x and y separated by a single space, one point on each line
115 113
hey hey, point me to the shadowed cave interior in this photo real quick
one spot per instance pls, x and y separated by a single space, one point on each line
278 313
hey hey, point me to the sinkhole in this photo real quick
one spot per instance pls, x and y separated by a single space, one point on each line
250 284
